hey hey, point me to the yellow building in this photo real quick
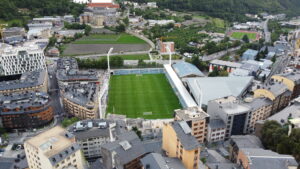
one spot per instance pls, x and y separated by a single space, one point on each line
179 142
277 92
53 149
197 120
291 80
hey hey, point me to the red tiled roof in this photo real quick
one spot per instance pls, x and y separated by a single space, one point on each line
104 5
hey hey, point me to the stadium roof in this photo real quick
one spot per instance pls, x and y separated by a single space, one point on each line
217 87
181 90
184 69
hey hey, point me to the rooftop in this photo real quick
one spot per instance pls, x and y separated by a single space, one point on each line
27 80
154 161
246 141
226 63
294 76
183 132
22 101
231 105
67 63
76 75
216 124
29 47
277 88
55 143
184 69
191 113
127 147
257 103
84 93
212 88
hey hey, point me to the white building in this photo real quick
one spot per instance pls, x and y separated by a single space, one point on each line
21 59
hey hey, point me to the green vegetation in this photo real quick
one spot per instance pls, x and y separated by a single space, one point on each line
146 96
174 57
135 57
276 30
276 138
68 121
240 35
101 63
122 38
212 47
22 9
231 10
217 72
156 14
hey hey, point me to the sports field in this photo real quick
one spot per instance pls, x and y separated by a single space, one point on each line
122 38
240 35
146 96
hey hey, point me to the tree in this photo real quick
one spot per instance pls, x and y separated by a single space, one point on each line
121 28
273 59
246 39
138 132
188 17
87 30
126 21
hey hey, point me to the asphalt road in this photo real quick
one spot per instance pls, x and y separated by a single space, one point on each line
266 31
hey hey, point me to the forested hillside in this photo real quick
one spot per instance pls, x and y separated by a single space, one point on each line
232 9
16 9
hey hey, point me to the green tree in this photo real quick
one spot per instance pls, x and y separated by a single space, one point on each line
246 39
138 132
120 28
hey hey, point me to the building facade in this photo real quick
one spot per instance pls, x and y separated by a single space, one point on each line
179 142
196 119
216 130
25 110
291 80
21 59
53 149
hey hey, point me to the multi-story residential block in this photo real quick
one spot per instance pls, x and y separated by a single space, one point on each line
216 130
66 63
239 142
220 64
124 153
234 114
53 149
25 110
179 142
291 80
261 109
92 134
28 81
256 158
21 59
81 100
196 119
13 32
166 47
277 92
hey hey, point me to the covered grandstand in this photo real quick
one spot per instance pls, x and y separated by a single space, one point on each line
184 70
183 95
138 71
217 87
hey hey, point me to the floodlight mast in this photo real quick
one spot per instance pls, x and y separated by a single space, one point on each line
108 54
170 54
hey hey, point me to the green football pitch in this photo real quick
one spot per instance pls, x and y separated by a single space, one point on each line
122 38
240 35
147 96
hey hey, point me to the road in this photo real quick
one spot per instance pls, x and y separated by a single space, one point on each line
219 54
266 31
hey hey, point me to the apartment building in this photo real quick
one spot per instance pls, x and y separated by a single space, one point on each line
20 59
28 81
81 100
25 110
291 80
92 134
164 47
53 149
234 114
13 32
124 153
255 158
179 142
196 119
216 130
277 92
261 109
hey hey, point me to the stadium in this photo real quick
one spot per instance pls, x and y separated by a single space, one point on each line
148 93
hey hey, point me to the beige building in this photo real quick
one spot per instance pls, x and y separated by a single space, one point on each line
261 110
291 80
180 143
197 120
277 92
53 149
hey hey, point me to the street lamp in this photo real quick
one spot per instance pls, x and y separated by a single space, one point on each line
108 54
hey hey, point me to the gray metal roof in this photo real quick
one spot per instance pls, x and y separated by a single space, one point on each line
258 103
277 88
216 123
247 141
226 63
188 141
124 156
154 161
67 63
223 166
218 87
282 117
27 80
250 67
55 159
184 69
